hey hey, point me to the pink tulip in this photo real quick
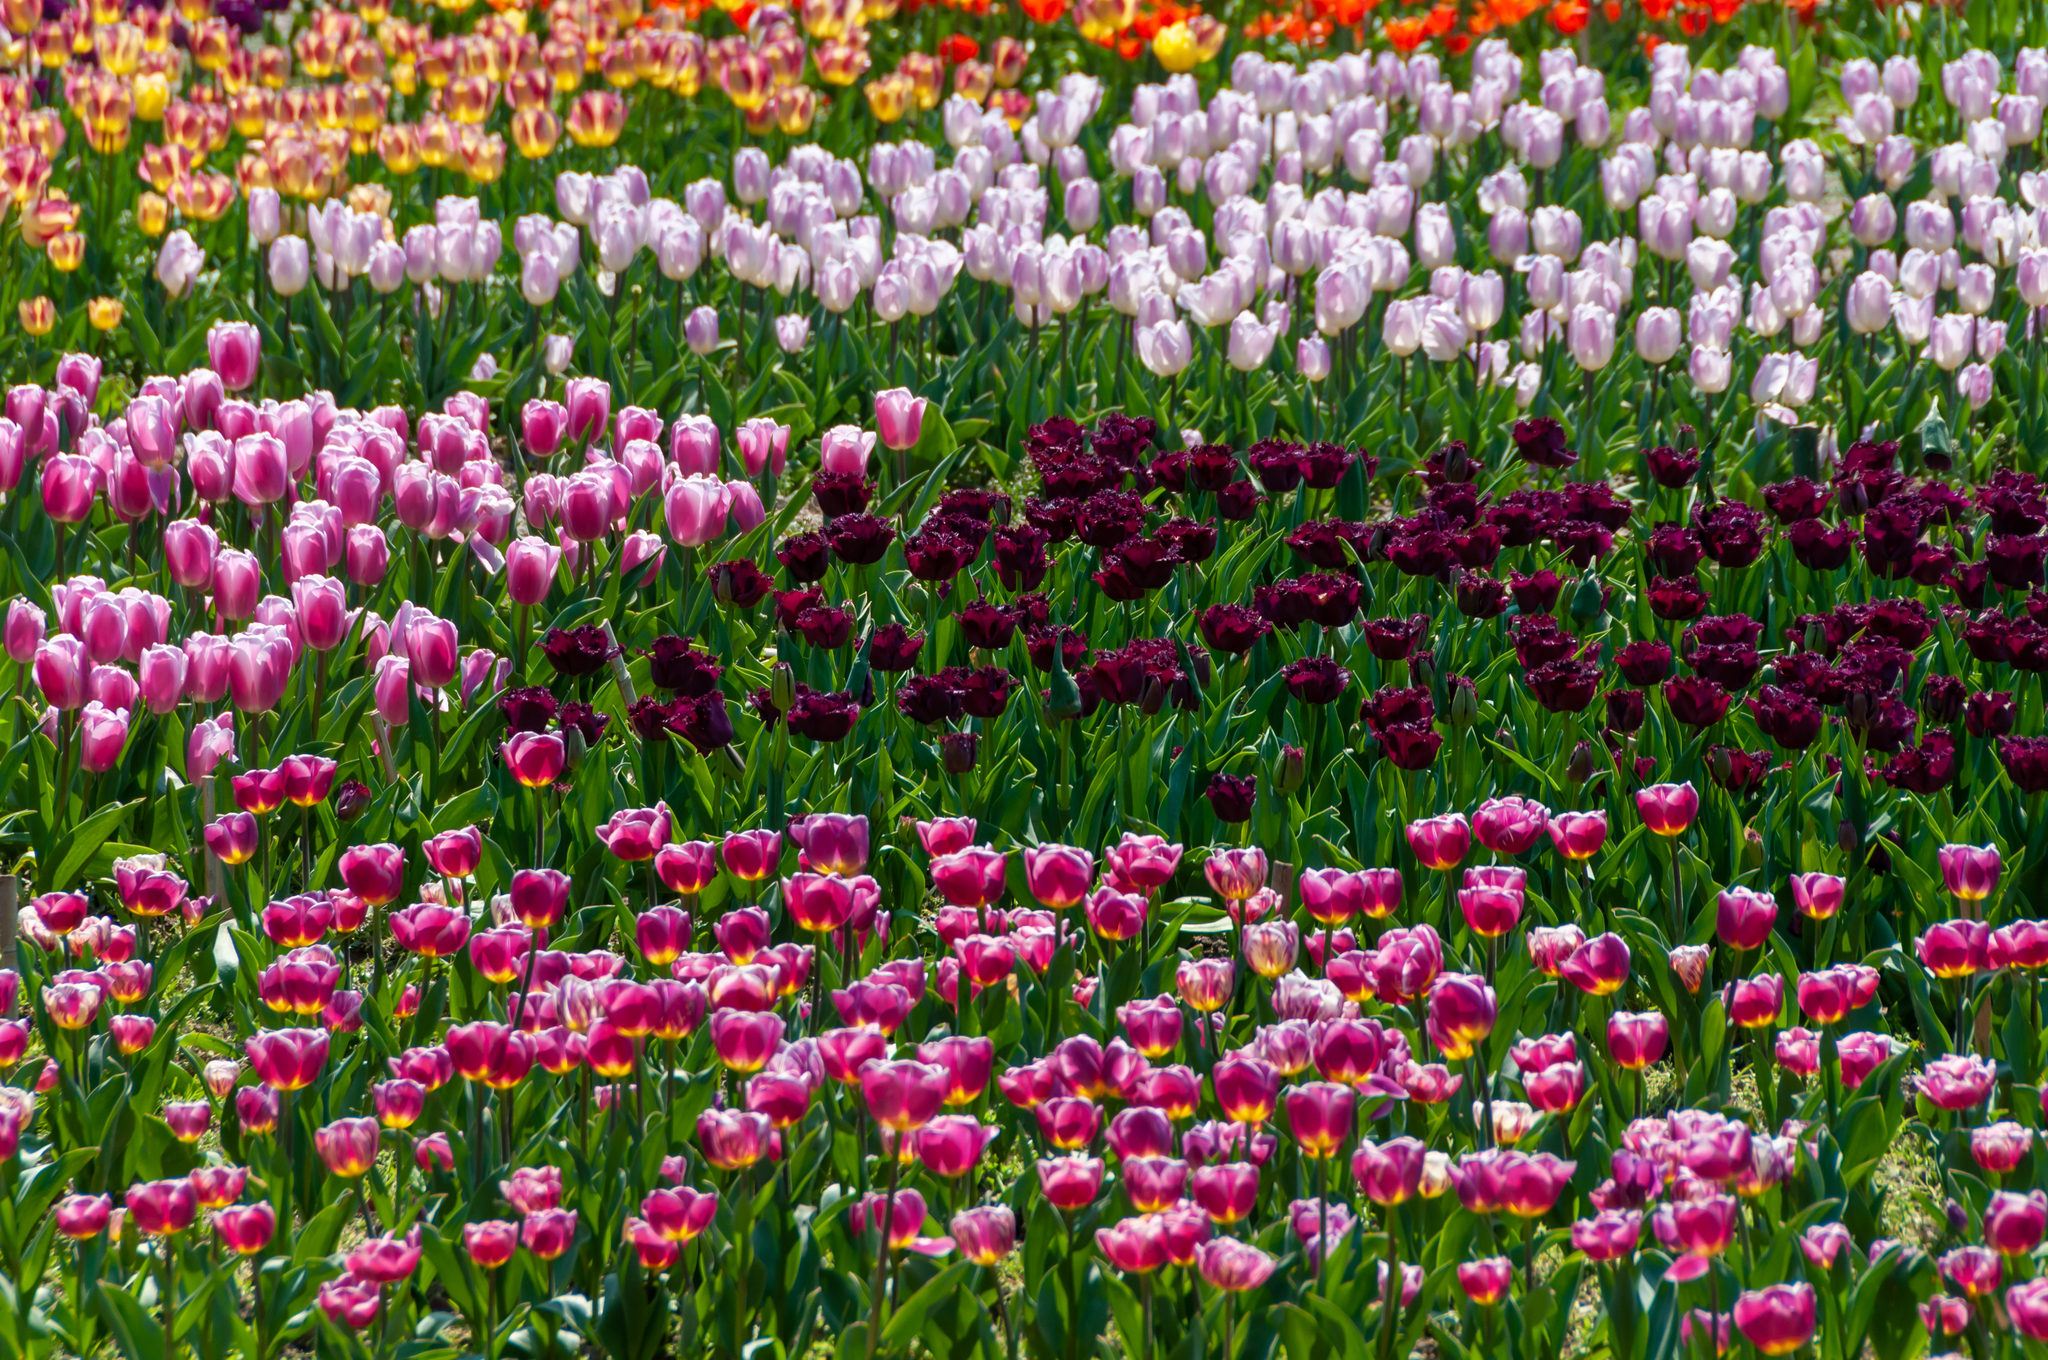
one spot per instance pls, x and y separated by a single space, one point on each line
234 350
189 552
695 508
899 417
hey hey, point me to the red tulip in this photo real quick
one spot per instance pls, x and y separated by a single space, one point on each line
246 1229
968 1063
286 1059
1636 1039
1668 809
903 1096
1780 1319
945 835
1135 1246
1598 967
1578 835
734 1139
1511 825
1236 874
1233 1266
751 856
1440 842
549 1233
1969 872
1486 1282
348 1147
162 1208
1743 919
1057 875
535 759
80 1217
1070 1182
1817 895
490 1244
832 842
681 1214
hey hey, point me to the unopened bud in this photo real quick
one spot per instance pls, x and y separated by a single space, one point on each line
958 750
1463 709
1289 769
1457 462
1845 835
1422 668
573 743
351 799
1580 767
1589 600
782 686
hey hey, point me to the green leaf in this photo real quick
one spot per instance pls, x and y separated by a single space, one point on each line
139 1336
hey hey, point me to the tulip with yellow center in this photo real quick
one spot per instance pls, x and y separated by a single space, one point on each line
66 251
796 109
596 118
152 213
888 95
104 313
398 148
1175 48
841 63
535 132
38 315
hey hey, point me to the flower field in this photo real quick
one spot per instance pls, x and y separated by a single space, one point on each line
1323 681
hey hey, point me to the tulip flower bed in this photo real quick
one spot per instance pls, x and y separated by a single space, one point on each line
1306 683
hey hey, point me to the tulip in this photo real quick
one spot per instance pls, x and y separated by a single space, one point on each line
1233 1266
1637 1039
1743 919
1668 809
348 1147
1057 875
162 1208
247 1229
1818 895
985 1235
1969 872
81 1217
1071 1182
535 759
1777 1320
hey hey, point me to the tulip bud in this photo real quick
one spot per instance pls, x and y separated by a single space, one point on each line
1463 709
782 686
1290 768
1580 767
958 750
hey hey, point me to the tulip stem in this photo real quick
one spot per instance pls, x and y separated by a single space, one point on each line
1145 1304
880 1221
167 1245
1390 1300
